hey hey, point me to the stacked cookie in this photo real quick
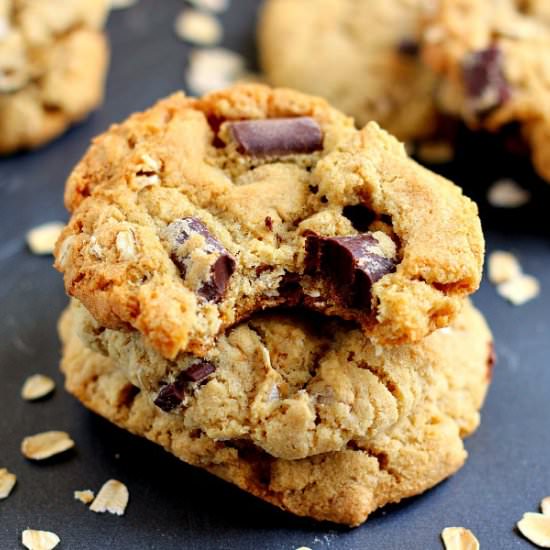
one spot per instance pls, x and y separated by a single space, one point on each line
277 297
53 60
416 66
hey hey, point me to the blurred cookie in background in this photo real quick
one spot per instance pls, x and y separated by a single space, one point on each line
53 62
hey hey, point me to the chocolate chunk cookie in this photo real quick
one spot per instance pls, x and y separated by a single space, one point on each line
492 58
306 414
53 60
199 212
361 56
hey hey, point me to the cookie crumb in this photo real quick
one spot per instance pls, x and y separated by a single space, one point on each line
545 506
112 497
45 445
7 483
506 193
86 496
520 290
216 6
213 69
198 28
435 152
41 239
39 540
459 538
122 4
36 387
503 267
536 528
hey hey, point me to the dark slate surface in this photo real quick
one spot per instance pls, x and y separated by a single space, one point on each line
175 506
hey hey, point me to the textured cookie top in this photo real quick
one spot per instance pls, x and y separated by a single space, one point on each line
53 57
343 486
196 213
361 56
493 58
293 385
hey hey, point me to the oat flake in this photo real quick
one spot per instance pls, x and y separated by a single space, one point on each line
435 152
506 193
36 387
536 528
112 497
503 267
39 540
7 483
45 445
198 28
41 240
216 6
459 538
520 290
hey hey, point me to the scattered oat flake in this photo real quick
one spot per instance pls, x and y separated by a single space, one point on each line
520 290
503 267
86 496
46 444
303 548
216 6
459 538
7 483
545 506
37 386
435 152
213 68
506 193
122 4
39 540
198 27
536 528
42 239
112 497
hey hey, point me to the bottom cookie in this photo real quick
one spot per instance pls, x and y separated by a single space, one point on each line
343 486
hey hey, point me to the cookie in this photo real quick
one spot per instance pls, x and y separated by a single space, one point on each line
361 56
436 388
491 57
53 60
199 212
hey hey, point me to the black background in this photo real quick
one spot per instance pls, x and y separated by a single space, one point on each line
175 506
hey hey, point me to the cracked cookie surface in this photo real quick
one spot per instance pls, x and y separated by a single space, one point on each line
53 60
180 227
361 56
492 58
372 468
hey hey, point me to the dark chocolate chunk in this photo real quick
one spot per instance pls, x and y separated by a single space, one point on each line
359 215
269 223
197 371
277 136
484 79
352 263
409 47
170 397
222 269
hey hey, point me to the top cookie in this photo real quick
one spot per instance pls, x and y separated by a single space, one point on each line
493 57
53 60
198 212
361 56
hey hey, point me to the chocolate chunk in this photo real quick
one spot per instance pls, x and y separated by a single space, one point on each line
269 223
197 371
277 136
409 47
359 215
178 232
353 263
484 79
169 397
